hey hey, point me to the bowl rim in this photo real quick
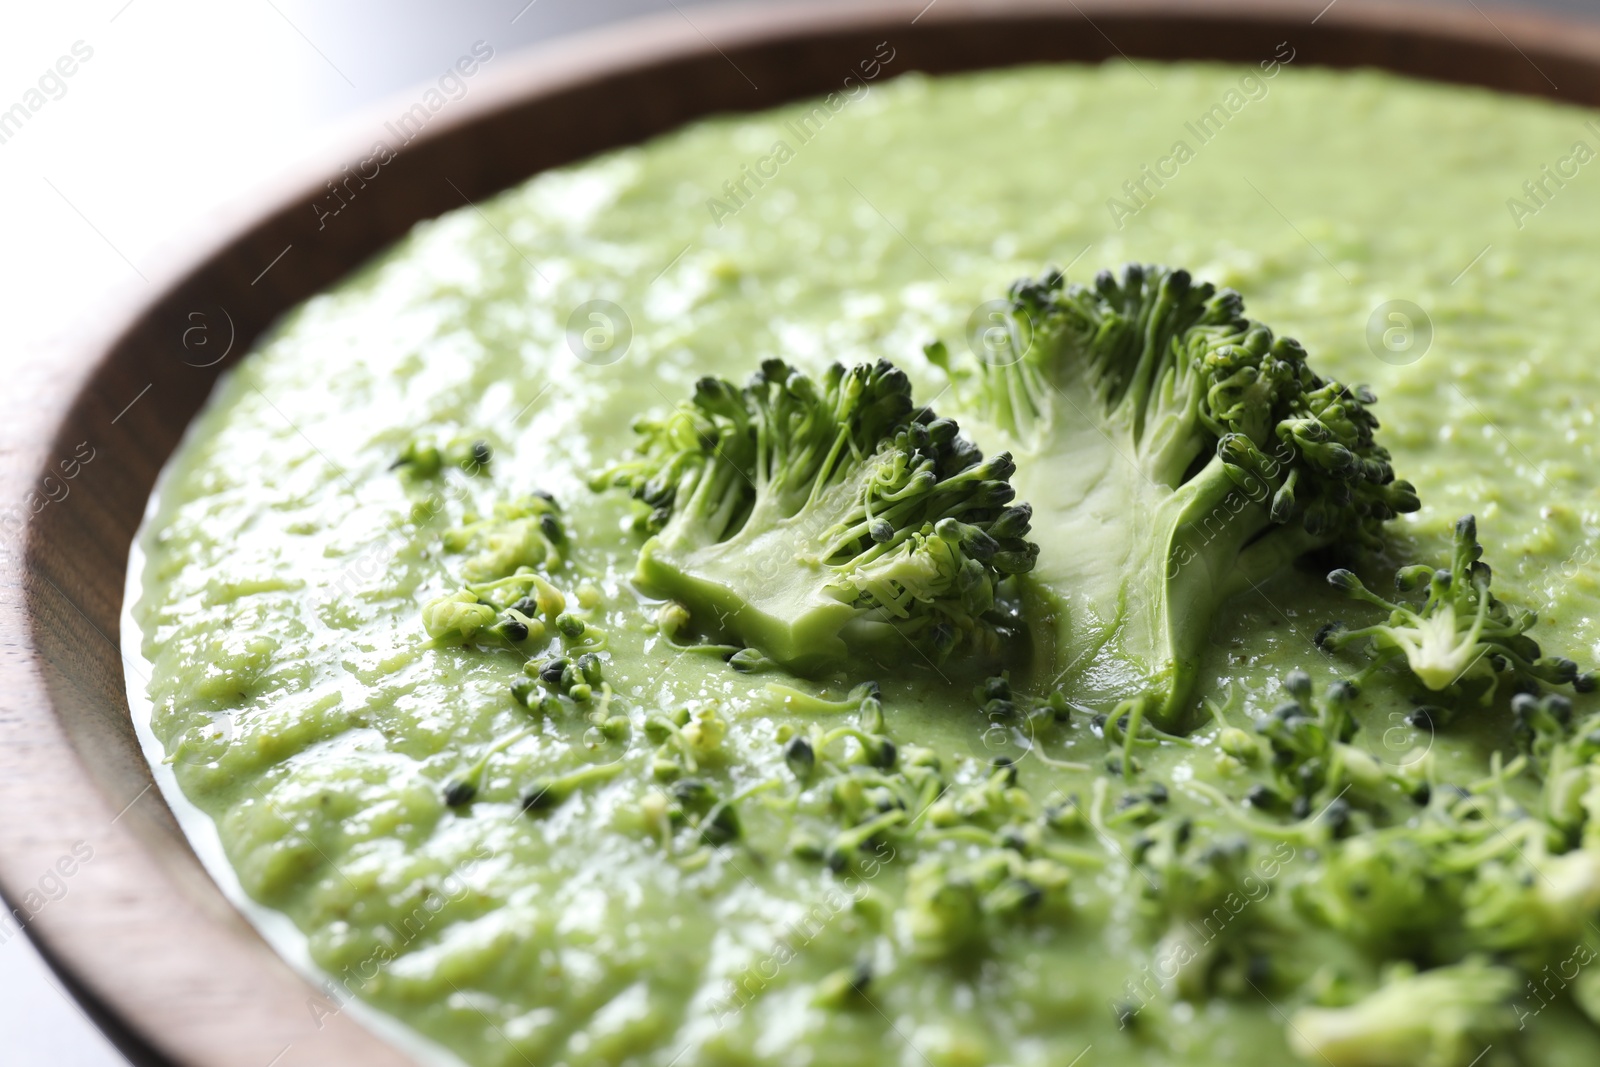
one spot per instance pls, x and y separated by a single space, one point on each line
159 959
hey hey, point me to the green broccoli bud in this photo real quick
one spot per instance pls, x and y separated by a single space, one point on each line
420 458
844 851
811 518
463 788
801 756
1174 453
720 825
459 792
424 458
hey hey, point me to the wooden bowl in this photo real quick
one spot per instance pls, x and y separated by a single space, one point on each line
91 860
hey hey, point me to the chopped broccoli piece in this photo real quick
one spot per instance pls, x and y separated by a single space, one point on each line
751 661
527 532
502 594
424 457
518 608
1462 635
686 739
1533 901
549 792
1314 766
1565 749
845 987
944 909
456 616
1392 890
809 518
1439 1018
1175 453
1199 887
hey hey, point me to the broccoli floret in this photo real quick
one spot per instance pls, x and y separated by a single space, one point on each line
808 518
1200 887
1175 453
1475 871
1532 901
1315 768
1462 635
1440 1018
1565 749
952 908
502 594
1392 891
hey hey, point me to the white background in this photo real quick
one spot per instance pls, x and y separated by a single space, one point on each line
184 106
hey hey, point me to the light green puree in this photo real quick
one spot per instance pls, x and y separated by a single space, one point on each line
287 565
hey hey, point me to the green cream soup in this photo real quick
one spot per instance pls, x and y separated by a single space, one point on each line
303 708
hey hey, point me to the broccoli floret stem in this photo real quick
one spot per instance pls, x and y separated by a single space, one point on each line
1175 454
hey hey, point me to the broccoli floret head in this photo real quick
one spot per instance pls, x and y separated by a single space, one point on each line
1175 453
811 517
1440 1018
1462 637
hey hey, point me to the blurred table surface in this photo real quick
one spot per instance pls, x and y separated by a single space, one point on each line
180 107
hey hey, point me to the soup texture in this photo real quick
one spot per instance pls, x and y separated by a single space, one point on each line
626 918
